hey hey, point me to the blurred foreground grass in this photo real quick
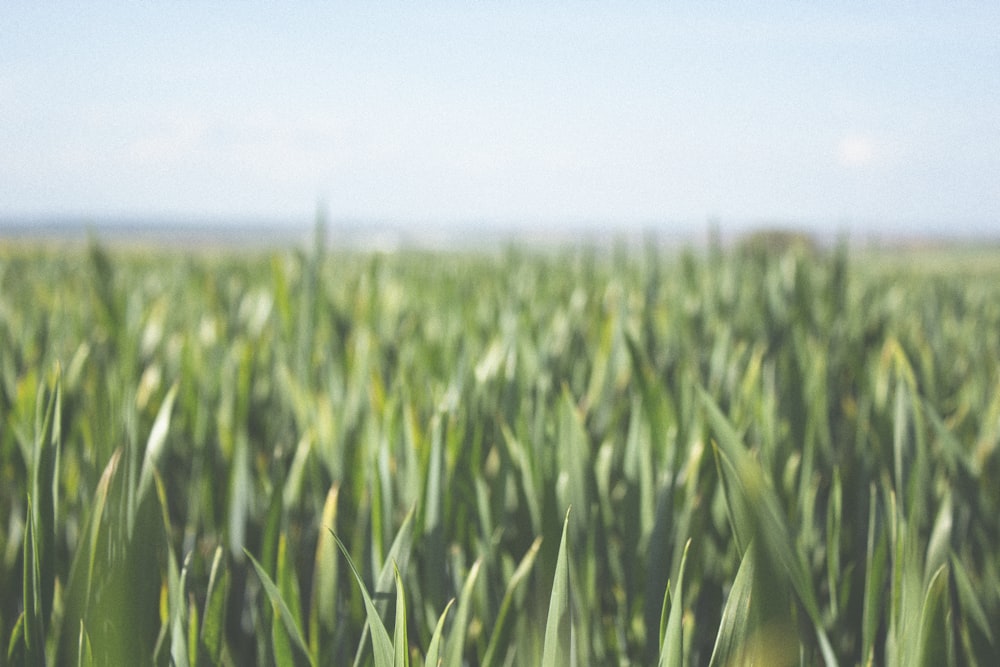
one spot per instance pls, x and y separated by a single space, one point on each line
778 457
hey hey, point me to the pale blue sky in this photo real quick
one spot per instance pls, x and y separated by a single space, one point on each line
848 114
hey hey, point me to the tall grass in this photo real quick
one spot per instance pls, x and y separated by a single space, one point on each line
725 457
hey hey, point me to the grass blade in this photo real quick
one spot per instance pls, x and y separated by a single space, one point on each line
85 652
155 445
502 627
433 657
381 643
734 630
971 606
398 556
456 641
281 609
323 604
33 621
932 643
213 622
758 510
400 640
177 603
875 581
672 648
45 491
558 626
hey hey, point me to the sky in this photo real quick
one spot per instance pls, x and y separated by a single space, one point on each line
854 115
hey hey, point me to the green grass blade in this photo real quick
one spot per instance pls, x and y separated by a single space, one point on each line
522 464
459 629
500 638
431 518
281 644
84 652
734 630
400 640
96 521
241 492
281 609
45 489
16 648
758 512
672 648
875 581
398 556
664 615
932 643
573 459
741 525
33 622
213 621
177 597
757 627
271 534
939 544
381 643
969 599
192 632
287 582
558 626
834 521
155 445
433 657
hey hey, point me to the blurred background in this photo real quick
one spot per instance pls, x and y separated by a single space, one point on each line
453 120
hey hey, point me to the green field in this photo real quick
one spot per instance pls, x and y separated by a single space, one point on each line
582 456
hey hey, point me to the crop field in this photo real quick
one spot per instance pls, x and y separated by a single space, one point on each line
764 454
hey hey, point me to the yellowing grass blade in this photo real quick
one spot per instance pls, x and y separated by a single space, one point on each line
323 603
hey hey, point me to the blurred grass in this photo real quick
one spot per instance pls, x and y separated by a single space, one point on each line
786 454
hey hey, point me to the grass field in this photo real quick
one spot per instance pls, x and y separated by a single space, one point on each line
585 456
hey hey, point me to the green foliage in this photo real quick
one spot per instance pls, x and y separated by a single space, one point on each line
781 454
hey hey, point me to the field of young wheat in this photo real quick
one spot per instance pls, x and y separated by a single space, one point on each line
726 456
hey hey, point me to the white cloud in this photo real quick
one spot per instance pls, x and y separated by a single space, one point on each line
169 143
855 151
